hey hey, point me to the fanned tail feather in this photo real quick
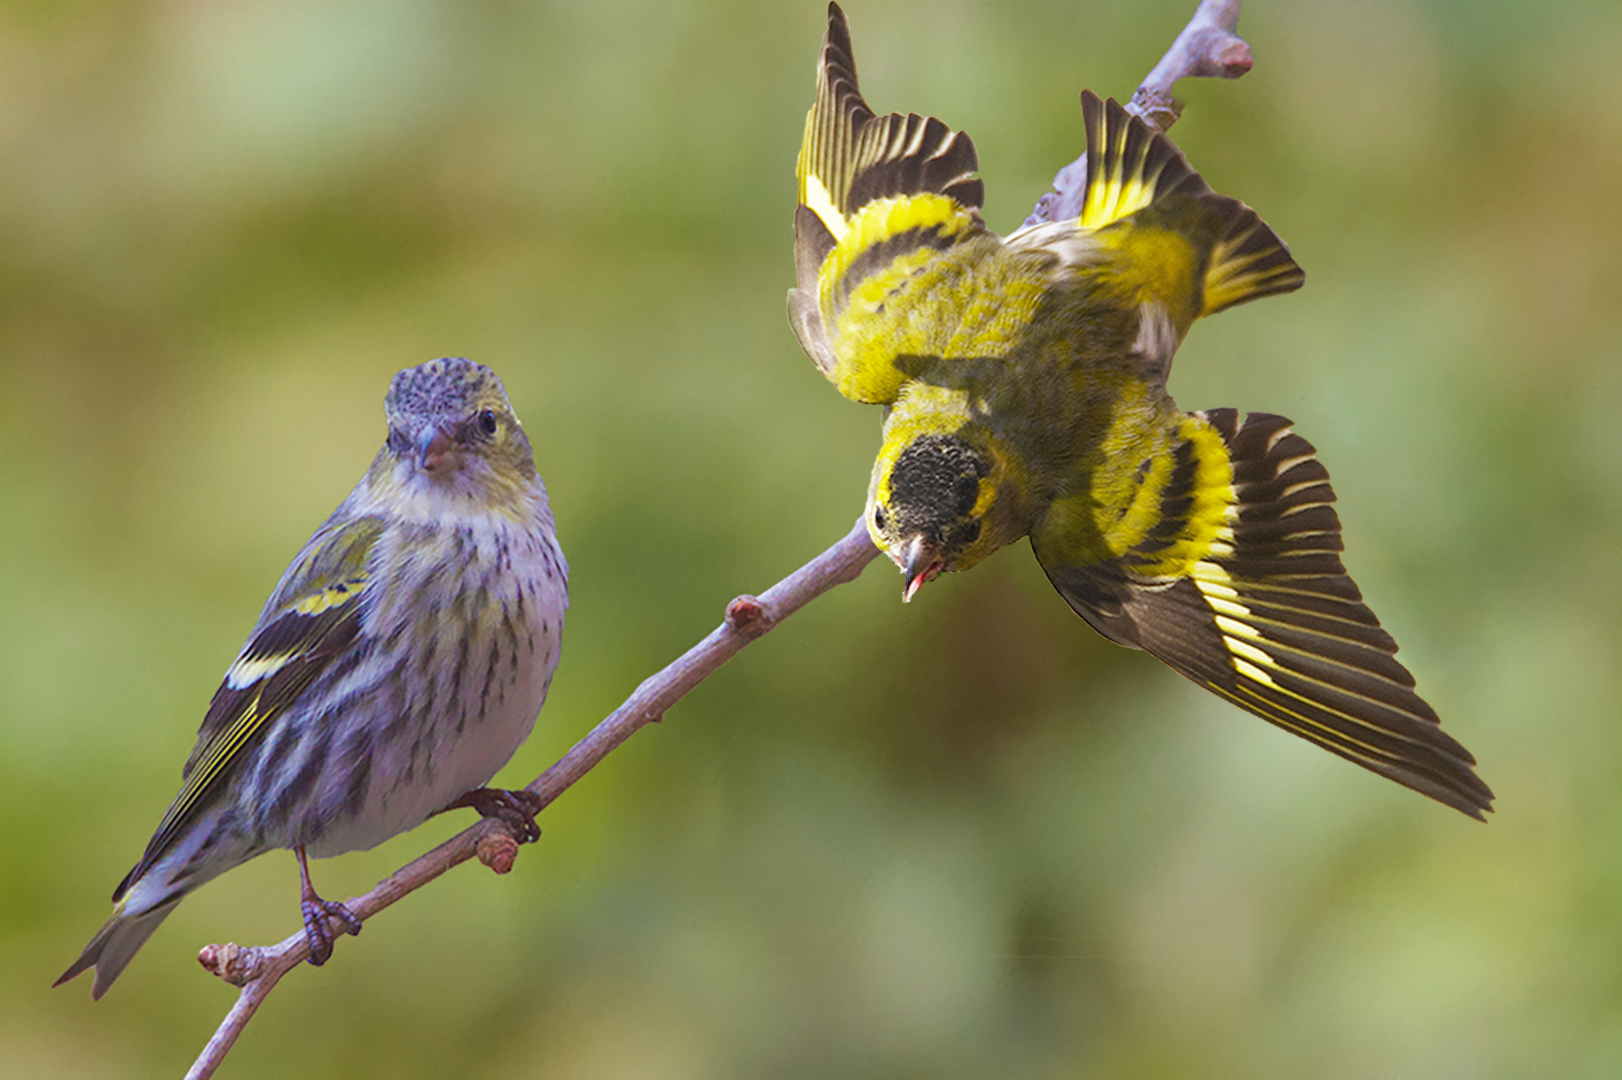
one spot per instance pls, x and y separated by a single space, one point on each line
1134 170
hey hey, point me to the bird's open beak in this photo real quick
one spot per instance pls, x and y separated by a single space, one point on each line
435 451
920 562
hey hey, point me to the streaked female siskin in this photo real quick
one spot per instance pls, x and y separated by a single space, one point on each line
399 663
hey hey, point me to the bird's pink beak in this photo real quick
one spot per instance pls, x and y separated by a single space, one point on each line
920 562
435 451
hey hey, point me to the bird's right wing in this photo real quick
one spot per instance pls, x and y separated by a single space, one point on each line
1235 581
313 617
880 197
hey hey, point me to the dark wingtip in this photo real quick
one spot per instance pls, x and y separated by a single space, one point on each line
838 34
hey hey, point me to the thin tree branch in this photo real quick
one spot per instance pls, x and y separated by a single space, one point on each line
257 969
1208 46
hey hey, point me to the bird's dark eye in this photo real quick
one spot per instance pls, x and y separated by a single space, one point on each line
487 422
878 518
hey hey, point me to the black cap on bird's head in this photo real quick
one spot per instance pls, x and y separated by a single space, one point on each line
447 412
926 505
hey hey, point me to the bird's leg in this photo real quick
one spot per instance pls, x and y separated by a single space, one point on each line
315 910
516 808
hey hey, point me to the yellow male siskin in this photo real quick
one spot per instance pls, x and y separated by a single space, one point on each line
1024 386
400 662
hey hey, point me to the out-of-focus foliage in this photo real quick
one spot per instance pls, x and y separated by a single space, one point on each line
963 838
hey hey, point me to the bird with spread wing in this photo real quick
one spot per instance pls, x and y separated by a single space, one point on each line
1023 381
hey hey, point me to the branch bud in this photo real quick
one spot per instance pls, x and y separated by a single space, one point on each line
747 616
497 849
231 962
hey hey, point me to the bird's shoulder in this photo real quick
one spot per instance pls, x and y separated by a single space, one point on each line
327 571
314 613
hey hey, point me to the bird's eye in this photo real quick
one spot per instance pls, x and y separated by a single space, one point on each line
487 422
878 518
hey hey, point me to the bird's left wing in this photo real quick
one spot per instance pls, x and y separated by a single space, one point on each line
1232 575
880 198
313 617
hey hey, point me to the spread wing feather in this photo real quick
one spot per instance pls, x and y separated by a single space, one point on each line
1267 617
851 159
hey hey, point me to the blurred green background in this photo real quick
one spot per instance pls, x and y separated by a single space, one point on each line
962 838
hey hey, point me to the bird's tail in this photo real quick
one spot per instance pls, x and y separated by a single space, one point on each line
1239 586
1180 231
117 942
147 895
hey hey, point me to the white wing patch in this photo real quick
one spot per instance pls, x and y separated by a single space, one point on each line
245 672
821 203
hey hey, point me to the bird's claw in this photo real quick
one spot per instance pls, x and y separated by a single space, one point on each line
318 932
516 808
